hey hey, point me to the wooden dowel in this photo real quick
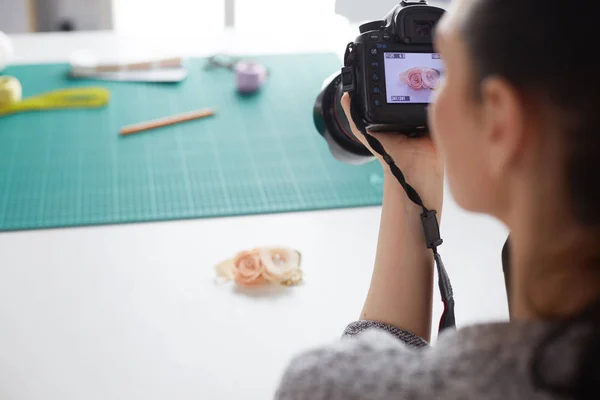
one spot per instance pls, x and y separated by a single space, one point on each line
175 62
174 119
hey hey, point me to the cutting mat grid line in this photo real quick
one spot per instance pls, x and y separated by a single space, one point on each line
319 157
258 154
285 155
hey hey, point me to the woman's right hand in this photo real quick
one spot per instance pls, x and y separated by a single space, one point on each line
417 158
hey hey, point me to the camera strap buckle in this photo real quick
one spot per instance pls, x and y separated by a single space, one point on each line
432 229
348 76
348 82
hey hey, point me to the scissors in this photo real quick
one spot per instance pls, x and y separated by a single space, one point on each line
84 97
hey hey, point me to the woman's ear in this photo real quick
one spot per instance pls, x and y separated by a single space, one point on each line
504 120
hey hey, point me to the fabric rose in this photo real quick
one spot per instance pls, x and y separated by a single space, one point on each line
248 268
413 78
281 265
276 265
431 78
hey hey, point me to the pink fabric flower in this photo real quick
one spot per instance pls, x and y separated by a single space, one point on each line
248 268
415 78
421 78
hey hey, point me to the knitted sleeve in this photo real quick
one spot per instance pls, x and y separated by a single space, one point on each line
408 338
372 361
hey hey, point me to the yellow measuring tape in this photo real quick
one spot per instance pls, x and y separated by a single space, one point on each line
11 100
10 90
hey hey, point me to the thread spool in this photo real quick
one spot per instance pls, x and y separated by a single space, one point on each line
10 90
6 50
250 76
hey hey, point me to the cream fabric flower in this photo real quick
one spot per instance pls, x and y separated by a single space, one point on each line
282 265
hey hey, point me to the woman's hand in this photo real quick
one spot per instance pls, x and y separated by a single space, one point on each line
417 158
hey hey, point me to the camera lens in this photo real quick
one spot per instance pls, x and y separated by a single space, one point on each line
331 122
423 28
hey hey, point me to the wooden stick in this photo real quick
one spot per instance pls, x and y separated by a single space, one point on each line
174 119
166 63
141 66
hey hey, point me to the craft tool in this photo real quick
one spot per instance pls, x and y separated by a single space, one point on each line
170 120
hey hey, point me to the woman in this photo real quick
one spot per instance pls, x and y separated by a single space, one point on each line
516 131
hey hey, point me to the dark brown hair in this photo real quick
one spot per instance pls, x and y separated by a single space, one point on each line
547 49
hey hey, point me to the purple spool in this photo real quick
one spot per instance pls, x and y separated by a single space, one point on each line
250 76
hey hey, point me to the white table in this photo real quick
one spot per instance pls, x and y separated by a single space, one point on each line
132 311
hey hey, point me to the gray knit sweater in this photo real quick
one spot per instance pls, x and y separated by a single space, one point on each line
376 361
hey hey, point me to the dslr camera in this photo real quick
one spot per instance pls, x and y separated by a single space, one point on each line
391 68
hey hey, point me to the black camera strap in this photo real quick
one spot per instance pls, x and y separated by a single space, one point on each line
428 217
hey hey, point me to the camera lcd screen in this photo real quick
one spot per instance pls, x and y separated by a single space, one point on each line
411 77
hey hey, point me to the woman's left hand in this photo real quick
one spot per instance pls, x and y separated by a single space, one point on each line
417 158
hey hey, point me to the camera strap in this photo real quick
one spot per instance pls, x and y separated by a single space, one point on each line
428 217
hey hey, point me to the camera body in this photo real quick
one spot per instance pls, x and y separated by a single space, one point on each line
393 68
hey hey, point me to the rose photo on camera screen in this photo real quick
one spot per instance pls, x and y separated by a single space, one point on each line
412 77
421 78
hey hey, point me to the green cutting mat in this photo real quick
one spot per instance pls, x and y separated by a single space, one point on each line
257 155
